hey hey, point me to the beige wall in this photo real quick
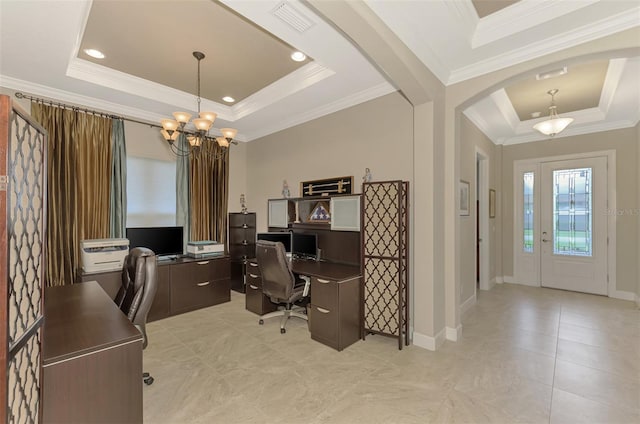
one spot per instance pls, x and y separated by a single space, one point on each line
376 134
237 175
625 143
472 139
638 216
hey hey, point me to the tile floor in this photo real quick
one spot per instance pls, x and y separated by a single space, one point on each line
526 355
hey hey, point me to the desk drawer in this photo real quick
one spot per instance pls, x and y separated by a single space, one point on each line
254 279
256 301
242 220
198 271
239 251
252 267
323 324
324 293
219 269
242 235
187 295
198 284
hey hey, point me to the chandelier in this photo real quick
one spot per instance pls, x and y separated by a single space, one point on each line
172 128
554 125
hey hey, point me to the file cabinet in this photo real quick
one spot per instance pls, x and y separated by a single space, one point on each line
242 246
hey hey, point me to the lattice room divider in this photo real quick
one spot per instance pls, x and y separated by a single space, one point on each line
385 259
22 248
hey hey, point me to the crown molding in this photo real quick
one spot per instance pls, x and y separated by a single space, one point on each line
302 78
343 103
503 103
611 81
478 120
521 16
465 11
607 26
107 77
571 131
57 95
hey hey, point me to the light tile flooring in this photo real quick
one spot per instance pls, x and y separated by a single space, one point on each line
526 355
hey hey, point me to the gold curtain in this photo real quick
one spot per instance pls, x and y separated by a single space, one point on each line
78 184
209 185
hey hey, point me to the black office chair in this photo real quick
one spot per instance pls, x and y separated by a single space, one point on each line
278 282
139 286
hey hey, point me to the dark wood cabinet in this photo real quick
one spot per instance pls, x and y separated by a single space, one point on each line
256 301
199 284
184 285
161 307
242 246
335 311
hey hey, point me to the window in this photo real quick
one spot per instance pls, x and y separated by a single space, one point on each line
572 212
151 192
527 219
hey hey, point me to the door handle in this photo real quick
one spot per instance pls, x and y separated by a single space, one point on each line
545 240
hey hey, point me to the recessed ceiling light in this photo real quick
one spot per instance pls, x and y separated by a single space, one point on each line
535 115
94 53
228 99
298 56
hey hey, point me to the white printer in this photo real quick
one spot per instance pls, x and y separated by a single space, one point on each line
100 255
204 248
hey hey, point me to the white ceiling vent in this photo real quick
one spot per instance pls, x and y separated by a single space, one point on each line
293 17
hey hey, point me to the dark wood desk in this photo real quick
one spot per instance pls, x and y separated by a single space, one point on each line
335 308
92 358
328 270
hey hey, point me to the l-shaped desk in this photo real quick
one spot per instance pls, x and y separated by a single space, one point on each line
334 311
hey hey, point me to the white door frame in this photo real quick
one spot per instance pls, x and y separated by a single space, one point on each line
611 206
482 189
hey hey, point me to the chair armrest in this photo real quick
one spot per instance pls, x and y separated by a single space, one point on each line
307 285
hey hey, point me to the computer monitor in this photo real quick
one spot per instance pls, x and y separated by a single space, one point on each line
164 241
282 237
304 245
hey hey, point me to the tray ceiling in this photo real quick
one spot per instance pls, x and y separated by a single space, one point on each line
149 71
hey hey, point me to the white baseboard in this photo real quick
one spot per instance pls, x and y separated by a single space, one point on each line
623 295
428 342
511 280
454 334
508 279
467 304
499 280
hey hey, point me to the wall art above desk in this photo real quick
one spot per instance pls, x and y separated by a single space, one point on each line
327 187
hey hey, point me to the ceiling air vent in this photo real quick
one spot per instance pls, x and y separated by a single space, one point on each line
293 17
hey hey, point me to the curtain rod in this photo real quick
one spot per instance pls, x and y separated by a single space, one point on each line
82 109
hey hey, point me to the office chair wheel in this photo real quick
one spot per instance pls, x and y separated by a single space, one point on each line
148 380
282 331
261 322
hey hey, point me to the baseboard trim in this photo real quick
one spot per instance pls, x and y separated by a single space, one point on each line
454 334
467 304
499 280
511 280
624 295
428 342
508 279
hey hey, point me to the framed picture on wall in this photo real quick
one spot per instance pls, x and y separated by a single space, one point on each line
492 203
463 198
